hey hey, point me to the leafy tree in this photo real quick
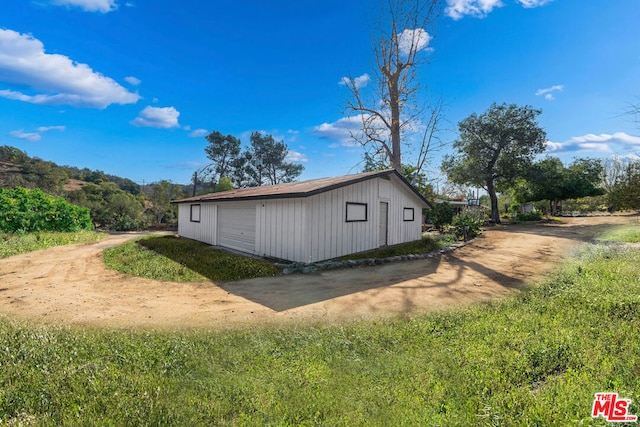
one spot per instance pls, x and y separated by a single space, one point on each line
625 193
224 184
161 195
495 148
441 214
111 208
267 163
550 180
223 151
388 114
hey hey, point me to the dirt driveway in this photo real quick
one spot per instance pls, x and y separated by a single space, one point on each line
71 285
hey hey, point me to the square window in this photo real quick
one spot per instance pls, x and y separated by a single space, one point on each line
356 212
408 214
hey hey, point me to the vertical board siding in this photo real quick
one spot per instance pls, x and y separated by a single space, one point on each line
236 227
203 231
281 229
314 228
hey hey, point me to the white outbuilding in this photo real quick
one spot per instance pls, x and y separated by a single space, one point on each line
308 221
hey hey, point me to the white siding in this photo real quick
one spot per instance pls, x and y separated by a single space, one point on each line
315 228
203 231
401 231
282 229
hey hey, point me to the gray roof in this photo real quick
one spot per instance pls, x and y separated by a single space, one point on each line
298 189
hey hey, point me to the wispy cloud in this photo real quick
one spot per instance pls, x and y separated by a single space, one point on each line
48 128
133 81
34 136
295 157
27 136
196 133
340 131
618 142
548 92
457 9
102 6
533 3
54 79
157 117
358 82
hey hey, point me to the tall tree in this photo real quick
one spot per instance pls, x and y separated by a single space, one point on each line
223 151
386 116
161 194
267 164
550 180
495 148
625 193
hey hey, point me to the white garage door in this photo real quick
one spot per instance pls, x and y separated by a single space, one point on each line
237 227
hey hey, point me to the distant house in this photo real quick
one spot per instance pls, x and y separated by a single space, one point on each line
308 221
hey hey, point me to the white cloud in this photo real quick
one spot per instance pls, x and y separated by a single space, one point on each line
133 81
27 136
103 6
413 40
457 9
358 82
340 130
602 143
548 92
56 78
295 157
157 117
48 128
198 133
533 3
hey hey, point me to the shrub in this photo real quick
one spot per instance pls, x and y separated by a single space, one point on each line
529 216
466 226
25 210
441 214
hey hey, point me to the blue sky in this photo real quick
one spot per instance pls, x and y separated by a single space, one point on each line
131 87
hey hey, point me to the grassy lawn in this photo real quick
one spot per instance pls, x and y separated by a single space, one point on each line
426 245
627 233
183 260
14 244
535 359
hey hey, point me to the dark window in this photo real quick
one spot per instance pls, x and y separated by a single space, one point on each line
195 213
408 214
356 212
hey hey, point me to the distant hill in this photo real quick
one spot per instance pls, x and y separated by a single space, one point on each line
18 169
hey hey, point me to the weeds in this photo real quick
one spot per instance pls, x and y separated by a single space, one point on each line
14 244
534 359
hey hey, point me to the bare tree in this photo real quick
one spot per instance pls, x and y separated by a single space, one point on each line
392 111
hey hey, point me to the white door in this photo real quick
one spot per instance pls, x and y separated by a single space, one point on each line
237 227
382 228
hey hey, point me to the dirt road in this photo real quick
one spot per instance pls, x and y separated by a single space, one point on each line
71 285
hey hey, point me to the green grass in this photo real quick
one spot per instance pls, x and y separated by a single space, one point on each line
183 260
625 233
426 245
532 360
14 244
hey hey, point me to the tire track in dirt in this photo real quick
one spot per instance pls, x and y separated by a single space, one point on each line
71 285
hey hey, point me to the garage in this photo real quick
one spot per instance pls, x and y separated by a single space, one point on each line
237 226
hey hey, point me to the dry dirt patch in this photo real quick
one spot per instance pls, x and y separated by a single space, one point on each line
71 285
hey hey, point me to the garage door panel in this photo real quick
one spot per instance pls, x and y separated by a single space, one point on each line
237 227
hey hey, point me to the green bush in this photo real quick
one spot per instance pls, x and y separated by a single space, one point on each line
23 210
466 226
529 216
441 214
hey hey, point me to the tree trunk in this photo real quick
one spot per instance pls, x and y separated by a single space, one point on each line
495 211
394 97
